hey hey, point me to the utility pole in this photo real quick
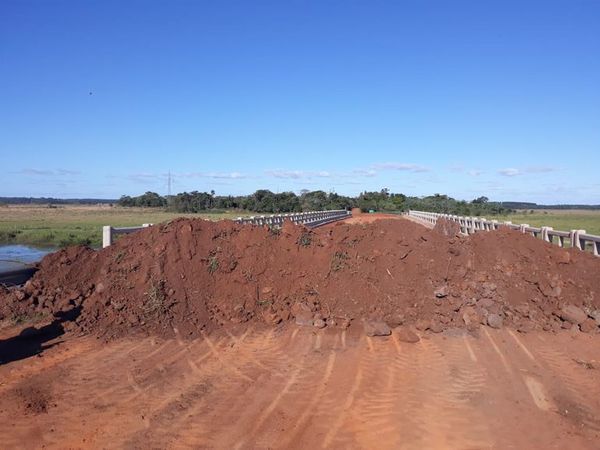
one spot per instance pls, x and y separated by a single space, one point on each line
169 183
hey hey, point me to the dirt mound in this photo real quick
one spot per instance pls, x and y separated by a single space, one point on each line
191 275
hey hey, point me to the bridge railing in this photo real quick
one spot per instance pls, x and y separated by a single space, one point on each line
311 219
469 225
108 232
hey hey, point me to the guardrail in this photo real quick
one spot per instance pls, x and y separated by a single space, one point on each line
311 219
108 232
469 225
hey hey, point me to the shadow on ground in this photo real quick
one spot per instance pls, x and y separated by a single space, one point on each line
32 341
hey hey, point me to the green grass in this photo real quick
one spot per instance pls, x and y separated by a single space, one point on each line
564 220
63 226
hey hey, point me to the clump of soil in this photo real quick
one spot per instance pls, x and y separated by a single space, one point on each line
193 275
34 400
447 227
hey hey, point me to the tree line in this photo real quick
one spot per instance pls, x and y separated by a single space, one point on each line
265 201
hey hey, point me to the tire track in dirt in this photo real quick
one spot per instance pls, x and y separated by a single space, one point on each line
531 394
193 390
79 373
152 371
407 364
134 400
131 404
372 420
499 352
228 420
366 406
266 351
313 402
299 398
309 391
263 416
346 407
467 378
300 423
446 416
577 397
226 362
531 375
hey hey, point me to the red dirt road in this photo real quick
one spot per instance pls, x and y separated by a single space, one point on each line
293 387
369 218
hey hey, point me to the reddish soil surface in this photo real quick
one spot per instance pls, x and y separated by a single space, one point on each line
297 387
197 334
369 218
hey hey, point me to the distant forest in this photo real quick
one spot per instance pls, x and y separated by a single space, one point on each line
54 201
265 201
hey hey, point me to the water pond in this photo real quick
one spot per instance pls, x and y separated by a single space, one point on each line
14 257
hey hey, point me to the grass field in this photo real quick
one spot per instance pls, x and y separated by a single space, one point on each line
564 220
68 225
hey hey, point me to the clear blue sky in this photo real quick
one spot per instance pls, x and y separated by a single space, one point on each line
466 98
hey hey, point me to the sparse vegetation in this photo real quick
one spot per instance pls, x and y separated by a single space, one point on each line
119 256
20 319
264 303
155 298
338 261
213 264
305 239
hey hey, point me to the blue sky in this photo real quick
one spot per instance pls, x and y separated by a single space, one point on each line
466 98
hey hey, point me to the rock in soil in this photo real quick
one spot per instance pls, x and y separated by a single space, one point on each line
319 323
302 314
494 321
436 327
573 314
304 318
423 324
441 292
470 316
376 328
406 335
588 326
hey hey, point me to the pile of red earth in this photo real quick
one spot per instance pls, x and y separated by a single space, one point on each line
194 275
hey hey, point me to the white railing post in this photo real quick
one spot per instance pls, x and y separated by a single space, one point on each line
546 236
573 237
578 241
106 236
